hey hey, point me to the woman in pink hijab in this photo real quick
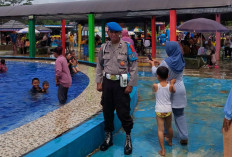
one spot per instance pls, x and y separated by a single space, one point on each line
126 38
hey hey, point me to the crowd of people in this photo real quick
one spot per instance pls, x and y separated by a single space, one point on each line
194 45
20 42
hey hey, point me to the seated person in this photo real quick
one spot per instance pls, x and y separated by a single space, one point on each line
35 89
3 67
73 54
58 42
193 48
210 49
68 57
201 51
74 63
45 87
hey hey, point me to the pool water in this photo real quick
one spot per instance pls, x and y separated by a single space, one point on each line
204 115
18 106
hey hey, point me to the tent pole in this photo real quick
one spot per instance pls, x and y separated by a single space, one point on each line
91 37
79 41
153 31
63 36
172 25
201 40
218 38
31 36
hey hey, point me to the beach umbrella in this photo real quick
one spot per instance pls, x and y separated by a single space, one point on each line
25 30
131 33
202 25
137 29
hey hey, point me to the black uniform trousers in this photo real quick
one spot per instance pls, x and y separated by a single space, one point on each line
113 97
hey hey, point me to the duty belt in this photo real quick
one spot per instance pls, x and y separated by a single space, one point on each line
111 77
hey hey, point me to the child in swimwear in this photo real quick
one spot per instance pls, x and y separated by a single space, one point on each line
3 67
74 62
35 86
45 86
163 109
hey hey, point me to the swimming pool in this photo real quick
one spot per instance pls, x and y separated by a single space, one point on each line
17 106
204 115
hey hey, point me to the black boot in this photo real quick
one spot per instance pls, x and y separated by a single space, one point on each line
108 141
128 145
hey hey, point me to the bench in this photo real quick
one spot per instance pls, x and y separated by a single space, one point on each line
194 63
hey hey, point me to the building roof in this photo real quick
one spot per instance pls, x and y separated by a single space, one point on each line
12 25
108 8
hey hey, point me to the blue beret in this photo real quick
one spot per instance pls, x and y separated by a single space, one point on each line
113 26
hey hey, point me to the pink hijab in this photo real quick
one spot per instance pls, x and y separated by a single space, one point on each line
125 33
125 37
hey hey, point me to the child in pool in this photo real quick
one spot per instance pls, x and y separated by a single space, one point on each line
45 86
3 67
35 86
163 109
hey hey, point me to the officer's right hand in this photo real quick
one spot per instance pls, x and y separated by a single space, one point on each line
99 87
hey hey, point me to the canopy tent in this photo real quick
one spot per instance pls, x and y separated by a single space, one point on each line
12 25
43 29
25 30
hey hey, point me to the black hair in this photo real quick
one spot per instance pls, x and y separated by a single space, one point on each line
3 61
34 79
67 54
58 50
212 52
73 51
162 72
45 82
87 41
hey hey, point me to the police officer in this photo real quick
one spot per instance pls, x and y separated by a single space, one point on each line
115 60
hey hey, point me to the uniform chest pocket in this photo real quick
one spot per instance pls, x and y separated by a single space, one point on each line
122 61
106 56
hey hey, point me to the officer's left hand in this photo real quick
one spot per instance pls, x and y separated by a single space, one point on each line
128 89
99 87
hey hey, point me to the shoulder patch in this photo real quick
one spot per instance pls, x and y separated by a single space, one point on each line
131 53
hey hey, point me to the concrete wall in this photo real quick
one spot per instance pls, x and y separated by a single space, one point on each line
82 140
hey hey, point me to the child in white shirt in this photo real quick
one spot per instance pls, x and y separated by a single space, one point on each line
163 107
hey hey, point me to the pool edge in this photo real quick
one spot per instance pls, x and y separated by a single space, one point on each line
82 140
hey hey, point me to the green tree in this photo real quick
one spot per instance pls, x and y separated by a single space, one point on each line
48 22
15 2
28 2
